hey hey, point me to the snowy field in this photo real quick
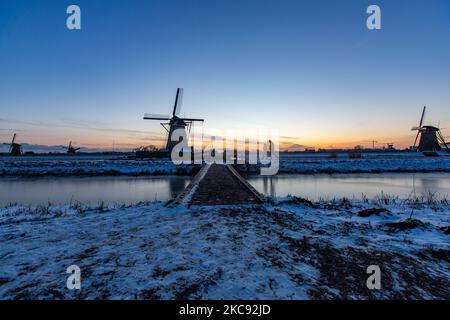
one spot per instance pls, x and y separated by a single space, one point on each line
289 249
289 163
80 166
366 165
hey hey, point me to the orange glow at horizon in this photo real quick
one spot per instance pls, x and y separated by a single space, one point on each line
285 143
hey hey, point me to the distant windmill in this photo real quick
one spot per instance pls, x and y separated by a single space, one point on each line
71 149
15 149
390 145
175 122
431 137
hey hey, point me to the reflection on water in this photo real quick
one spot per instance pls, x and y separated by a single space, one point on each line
36 191
91 190
315 187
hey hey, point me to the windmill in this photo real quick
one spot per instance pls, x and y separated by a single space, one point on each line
71 149
390 146
174 122
431 137
15 149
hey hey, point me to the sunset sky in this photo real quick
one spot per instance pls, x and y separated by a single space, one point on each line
309 69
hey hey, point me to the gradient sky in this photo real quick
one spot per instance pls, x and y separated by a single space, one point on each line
310 69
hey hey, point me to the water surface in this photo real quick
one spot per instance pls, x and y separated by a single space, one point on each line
326 186
92 190
129 190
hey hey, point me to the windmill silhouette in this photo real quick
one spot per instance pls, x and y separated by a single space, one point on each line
431 137
15 149
174 122
71 149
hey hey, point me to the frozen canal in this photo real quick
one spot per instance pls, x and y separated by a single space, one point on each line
129 190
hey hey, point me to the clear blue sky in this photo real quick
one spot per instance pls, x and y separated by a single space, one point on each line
310 69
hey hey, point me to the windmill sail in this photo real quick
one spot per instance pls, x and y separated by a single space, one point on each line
419 128
442 141
153 116
178 101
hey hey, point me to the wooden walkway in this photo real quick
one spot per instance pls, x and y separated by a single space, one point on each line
219 185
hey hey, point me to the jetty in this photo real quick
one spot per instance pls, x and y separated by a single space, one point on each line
219 185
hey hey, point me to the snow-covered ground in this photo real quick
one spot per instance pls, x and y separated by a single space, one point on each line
304 164
367 165
79 166
289 249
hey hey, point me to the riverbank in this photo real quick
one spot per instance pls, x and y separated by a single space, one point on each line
64 167
80 166
289 249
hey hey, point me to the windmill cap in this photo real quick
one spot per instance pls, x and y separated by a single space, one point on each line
430 128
